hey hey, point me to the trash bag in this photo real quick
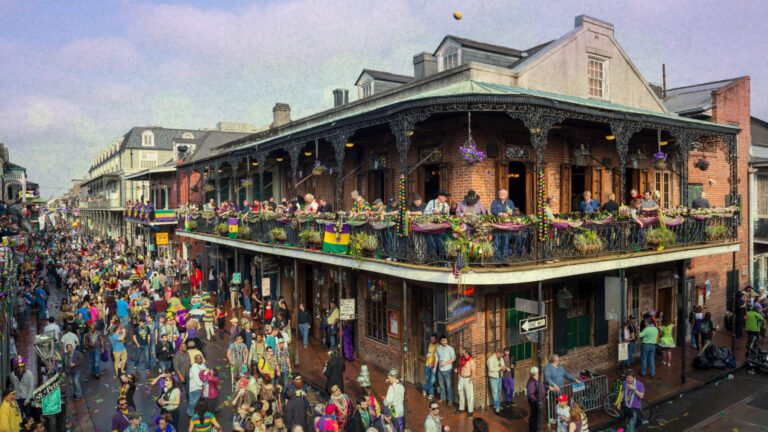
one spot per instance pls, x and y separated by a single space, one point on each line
701 362
731 363
718 364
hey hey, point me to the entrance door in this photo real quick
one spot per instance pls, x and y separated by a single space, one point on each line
665 285
638 179
580 182
503 329
423 320
517 185
431 181
378 185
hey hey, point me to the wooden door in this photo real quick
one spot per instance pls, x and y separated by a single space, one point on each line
597 184
502 171
502 330
445 176
565 188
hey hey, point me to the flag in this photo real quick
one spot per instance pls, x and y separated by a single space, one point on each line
459 265
165 215
336 242
233 225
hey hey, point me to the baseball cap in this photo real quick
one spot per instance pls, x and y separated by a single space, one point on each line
562 398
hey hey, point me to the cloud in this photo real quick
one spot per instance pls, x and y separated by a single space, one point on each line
98 54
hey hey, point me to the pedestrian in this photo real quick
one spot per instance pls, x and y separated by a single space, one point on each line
532 392
752 326
94 343
304 321
73 362
195 386
465 387
164 424
508 377
395 397
237 354
120 420
296 410
695 320
210 393
283 362
10 415
433 422
428 389
209 312
555 375
181 365
170 399
164 352
576 420
334 371
563 413
385 422
135 423
633 392
141 336
23 381
446 355
128 388
221 319
201 420
649 336
119 353
707 328
667 342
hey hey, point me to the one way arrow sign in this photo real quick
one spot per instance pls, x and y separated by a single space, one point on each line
532 324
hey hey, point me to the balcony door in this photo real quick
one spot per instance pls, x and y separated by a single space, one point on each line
516 177
430 178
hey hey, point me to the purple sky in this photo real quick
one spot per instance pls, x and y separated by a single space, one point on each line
77 74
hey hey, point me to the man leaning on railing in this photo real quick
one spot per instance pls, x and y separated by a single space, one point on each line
555 375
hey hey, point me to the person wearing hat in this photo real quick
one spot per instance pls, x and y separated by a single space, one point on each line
633 393
395 397
135 423
495 366
334 372
23 381
377 206
385 422
439 205
121 420
295 410
563 413
629 335
283 362
417 206
10 415
237 354
297 384
360 204
470 205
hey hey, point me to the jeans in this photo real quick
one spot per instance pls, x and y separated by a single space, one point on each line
75 384
533 418
125 321
247 304
434 245
501 243
41 312
446 385
429 386
466 394
648 351
630 353
509 389
194 397
285 377
496 392
304 329
633 418
152 355
164 364
334 334
141 351
95 361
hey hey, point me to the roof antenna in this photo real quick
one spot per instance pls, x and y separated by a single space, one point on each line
663 81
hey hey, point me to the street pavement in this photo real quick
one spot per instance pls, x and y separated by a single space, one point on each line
729 405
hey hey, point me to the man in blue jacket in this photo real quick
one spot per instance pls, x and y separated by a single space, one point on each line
501 206
589 205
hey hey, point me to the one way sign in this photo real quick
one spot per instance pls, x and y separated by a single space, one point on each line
532 324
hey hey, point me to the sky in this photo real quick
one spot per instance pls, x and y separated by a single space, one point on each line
75 75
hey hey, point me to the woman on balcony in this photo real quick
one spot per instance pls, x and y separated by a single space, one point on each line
589 205
471 205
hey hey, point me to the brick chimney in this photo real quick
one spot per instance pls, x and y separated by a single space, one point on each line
424 64
340 97
281 114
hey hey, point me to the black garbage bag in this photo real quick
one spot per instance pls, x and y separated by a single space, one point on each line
701 362
718 364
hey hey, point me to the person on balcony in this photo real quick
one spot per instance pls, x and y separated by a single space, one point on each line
555 375
701 201
324 207
589 205
548 212
311 206
417 206
378 206
470 205
211 205
648 204
610 205
503 206
439 205
360 205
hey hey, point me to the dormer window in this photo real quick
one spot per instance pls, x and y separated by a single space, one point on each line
148 139
597 77
450 59
366 89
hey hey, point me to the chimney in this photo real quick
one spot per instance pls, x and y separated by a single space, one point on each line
281 114
657 89
340 97
424 65
593 23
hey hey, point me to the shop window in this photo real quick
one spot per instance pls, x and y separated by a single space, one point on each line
518 344
376 314
579 322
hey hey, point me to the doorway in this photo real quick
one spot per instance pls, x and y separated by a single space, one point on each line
578 185
376 187
424 325
431 181
517 184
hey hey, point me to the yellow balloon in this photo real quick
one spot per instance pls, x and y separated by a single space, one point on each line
457 15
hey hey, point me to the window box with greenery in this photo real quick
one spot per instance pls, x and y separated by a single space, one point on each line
716 232
587 242
278 234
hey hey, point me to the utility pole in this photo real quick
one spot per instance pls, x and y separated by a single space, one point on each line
539 348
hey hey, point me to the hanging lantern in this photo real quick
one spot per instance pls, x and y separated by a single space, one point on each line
636 159
581 156
564 298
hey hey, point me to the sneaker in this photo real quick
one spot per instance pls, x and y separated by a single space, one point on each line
470 416
497 410
429 397
423 393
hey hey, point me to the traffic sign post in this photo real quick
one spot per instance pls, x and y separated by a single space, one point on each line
533 324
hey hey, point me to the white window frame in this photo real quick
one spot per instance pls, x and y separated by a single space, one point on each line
148 159
604 79
147 139
450 59
366 89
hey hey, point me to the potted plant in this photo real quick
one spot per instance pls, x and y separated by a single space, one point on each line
318 168
660 236
701 164
309 236
278 234
452 247
222 228
245 182
715 232
660 160
209 187
244 231
470 153
587 242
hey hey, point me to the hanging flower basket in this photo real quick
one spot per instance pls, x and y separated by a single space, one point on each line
470 153
209 187
702 164
660 160
318 168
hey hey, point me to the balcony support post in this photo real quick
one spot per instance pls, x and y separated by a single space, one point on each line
402 126
293 152
233 198
684 140
622 132
339 141
216 178
261 159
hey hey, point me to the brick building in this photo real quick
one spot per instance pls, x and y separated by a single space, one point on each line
558 119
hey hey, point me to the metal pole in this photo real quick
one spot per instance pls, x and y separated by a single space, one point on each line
540 340
405 356
735 299
681 328
296 307
341 327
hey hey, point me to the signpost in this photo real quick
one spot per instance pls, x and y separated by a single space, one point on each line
347 309
265 287
533 324
48 396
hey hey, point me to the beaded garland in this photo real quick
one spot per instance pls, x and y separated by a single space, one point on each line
541 202
401 224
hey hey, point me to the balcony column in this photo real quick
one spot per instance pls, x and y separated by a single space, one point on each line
261 159
402 128
189 189
623 131
339 140
539 122
293 153
732 145
217 184
684 140
233 198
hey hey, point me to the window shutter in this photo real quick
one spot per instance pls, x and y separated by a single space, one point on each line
601 325
616 185
587 182
565 188
445 177
597 183
502 170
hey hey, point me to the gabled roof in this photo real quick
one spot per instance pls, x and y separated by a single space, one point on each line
530 52
163 137
212 143
695 98
481 46
384 76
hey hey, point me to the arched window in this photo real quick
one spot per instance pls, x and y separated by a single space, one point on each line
148 139
188 135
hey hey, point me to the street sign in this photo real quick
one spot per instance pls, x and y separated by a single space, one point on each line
533 324
48 396
347 309
265 287
525 305
161 238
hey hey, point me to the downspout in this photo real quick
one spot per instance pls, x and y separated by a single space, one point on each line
751 219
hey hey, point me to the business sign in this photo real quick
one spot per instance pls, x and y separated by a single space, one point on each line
265 287
347 309
161 238
48 396
525 305
533 324
236 278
